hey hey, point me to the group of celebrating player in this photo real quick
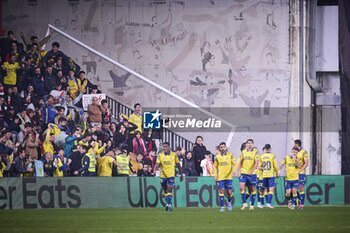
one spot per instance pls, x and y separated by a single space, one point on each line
259 172
256 173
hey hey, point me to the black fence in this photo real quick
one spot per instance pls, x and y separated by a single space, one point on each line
164 134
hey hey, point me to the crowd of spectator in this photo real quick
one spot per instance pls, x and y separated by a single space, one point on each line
44 130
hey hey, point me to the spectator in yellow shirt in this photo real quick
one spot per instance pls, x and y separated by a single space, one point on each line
136 166
136 118
105 164
48 145
73 85
83 82
11 68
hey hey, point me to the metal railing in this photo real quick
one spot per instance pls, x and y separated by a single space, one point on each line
154 84
166 135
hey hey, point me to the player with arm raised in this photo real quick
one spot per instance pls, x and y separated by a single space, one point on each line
292 175
303 159
269 173
166 161
224 165
245 171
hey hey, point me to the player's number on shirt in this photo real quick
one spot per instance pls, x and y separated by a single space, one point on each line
267 165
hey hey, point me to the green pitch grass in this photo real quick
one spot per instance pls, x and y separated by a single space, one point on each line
281 220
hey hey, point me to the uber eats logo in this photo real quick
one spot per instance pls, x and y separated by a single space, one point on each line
33 195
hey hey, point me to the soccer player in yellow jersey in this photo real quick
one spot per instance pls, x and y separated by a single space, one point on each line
166 161
245 171
303 159
259 186
224 171
292 175
269 173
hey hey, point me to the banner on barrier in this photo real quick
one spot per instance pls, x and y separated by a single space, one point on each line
120 192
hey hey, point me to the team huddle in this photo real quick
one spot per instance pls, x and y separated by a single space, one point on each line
257 175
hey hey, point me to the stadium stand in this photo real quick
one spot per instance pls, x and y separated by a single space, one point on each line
44 128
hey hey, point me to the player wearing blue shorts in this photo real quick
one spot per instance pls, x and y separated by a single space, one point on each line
246 171
167 161
259 185
224 165
292 175
269 173
303 159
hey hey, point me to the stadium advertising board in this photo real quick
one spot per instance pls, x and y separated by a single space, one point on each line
117 192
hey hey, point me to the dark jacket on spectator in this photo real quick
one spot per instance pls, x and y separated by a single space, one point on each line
28 98
49 113
105 135
38 85
16 101
3 110
59 53
189 167
19 166
49 82
14 127
149 142
5 149
143 173
120 138
23 75
48 167
10 117
198 153
75 165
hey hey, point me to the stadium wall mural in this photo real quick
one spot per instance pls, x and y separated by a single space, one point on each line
104 192
216 54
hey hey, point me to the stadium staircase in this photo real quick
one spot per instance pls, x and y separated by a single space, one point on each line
118 108
165 135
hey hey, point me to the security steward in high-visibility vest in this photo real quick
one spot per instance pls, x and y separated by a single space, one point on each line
123 168
88 163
